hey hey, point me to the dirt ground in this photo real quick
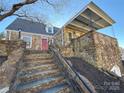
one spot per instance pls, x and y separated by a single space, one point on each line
103 83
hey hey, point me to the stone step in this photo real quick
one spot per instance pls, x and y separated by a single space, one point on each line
43 61
38 55
37 63
38 75
65 89
35 52
61 88
28 73
36 86
37 59
40 67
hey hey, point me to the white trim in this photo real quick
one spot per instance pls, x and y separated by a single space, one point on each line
62 37
22 36
29 33
5 34
10 35
47 30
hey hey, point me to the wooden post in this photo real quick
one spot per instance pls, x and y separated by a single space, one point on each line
19 34
62 36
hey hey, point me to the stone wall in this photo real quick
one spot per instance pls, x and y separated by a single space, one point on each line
98 49
84 47
3 45
14 35
35 38
9 68
107 51
14 51
36 42
7 46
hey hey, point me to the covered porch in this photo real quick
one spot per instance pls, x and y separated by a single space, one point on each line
90 18
78 38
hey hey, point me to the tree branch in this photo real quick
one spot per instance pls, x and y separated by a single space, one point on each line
25 14
16 7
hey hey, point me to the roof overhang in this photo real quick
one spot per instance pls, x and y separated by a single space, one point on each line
91 18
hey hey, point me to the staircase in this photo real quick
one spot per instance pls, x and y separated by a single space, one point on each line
40 74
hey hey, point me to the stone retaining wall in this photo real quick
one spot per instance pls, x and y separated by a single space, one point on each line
107 51
14 51
9 68
7 46
98 49
84 47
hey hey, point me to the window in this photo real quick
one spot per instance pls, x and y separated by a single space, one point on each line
28 40
49 29
70 36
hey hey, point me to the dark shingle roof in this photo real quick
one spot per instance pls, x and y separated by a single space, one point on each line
29 26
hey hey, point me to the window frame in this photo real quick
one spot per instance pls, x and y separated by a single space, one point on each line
47 29
27 36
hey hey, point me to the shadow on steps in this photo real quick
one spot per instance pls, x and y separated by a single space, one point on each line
103 83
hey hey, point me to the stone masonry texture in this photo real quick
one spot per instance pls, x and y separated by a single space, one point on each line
14 51
7 46
98 49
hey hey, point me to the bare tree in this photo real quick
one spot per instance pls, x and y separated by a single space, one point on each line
14 8
17 6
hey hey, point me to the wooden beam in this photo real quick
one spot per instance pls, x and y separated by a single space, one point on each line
100 13
81 25
76 28
96 22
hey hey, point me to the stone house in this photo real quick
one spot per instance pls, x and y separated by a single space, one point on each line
36 35
78 37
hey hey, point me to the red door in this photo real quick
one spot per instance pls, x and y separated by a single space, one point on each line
44 44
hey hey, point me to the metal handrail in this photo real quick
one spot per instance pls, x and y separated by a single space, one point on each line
76 80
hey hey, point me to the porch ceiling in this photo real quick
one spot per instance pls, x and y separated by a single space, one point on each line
92 18
76 28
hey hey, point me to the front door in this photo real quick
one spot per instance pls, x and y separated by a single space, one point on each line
44 44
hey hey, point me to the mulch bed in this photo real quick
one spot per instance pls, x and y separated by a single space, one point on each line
103 83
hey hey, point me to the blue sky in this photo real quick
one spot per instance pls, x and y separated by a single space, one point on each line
58 17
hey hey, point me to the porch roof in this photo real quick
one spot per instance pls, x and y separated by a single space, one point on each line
89 18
